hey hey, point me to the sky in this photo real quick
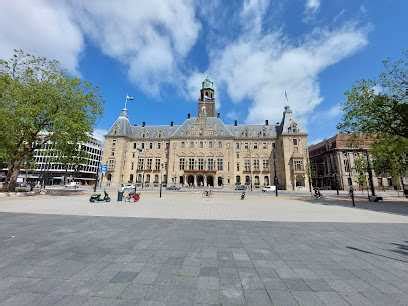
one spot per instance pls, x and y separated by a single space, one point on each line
159 51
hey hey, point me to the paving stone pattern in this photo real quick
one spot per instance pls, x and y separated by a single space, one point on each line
78 260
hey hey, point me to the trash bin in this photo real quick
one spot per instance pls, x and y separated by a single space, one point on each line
120 196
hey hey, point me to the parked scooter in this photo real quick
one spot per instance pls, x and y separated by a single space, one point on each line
243 196
96 197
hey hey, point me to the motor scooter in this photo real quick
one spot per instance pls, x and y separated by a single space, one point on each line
243 196
96 197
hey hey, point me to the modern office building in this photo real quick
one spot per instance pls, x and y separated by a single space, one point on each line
46 167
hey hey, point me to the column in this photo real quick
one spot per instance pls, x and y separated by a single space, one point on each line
205 180
195 180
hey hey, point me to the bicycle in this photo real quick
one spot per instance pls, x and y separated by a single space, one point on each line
207 193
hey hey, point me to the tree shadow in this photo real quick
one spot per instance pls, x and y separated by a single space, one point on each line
387 206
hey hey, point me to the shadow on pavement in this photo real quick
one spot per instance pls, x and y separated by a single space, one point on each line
386 206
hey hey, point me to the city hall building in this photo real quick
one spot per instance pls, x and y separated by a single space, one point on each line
204 151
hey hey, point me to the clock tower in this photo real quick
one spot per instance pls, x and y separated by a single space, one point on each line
206 102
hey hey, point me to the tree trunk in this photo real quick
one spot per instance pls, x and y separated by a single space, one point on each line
11 178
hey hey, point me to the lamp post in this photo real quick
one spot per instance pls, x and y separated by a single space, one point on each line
351 181
161 179
275 177
336 183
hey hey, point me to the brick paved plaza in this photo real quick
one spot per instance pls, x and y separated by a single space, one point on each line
62 259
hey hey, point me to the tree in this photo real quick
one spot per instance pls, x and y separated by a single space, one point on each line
390 157
40 103
380 108
360 166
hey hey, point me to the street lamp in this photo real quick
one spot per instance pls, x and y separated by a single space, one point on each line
351 181
275 177
161 178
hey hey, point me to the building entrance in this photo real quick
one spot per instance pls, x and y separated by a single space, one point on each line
210 180
200 180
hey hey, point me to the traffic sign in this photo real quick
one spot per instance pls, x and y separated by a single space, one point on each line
103 168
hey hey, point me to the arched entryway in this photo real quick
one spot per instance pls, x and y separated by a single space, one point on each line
247 180
200 180
266 180
190 180
300 181
210 180
220 181
238 180
181 180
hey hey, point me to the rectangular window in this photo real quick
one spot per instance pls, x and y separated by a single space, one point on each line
220 164
151 145
246 146
143 145
191 164
265 145
200 164
295 142
182 163
140 164
201 144
157 164
265 164
255 145
247 165
210 164
237 145
220 144
298 165
132 165
237 166
149 163
159 145
256 164
346 165
210 144
134 145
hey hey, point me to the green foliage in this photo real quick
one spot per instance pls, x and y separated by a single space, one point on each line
40 103
360 166
380 108
390 156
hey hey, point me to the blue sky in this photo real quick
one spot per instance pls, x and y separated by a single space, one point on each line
159 51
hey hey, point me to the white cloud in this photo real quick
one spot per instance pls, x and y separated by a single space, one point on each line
40 27
150 37
260 68
315 141
312 5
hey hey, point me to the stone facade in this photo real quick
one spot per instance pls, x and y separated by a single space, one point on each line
332 163
204 151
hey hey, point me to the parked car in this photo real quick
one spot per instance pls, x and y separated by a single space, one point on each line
240 187
269 189
173 187
128 188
